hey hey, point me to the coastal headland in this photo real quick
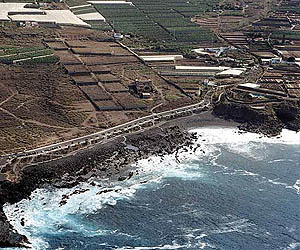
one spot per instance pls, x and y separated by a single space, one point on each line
109 160
112 160
88 88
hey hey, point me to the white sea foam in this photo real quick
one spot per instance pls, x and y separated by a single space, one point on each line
44 214
295 245
233 135
249 145
173 246
194 245
281 160
295 187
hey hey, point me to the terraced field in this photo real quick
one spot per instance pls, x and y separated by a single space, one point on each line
9 55
166 22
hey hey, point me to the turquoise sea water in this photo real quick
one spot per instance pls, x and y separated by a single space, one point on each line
230 191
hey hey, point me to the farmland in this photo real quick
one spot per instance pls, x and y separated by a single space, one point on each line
105 63
26 55
82 75
161 22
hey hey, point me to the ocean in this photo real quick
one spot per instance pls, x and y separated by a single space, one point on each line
231 190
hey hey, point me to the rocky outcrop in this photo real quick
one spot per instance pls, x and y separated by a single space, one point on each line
269 121
8 236
257 121
289 114
111 160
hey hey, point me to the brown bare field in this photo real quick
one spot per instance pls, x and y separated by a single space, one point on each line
15 135
106 60
128 101
76 43
57 45
115 87
84 79
108 105
92 51
66 57
95 93
106 78
76 69
49 112
99 69
108 119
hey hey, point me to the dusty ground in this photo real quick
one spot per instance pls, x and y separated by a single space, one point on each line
40 104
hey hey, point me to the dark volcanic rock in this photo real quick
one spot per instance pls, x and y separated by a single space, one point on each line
111 160
8 236
258 121
289 114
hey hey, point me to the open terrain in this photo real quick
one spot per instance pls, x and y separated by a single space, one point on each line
107 69
63 82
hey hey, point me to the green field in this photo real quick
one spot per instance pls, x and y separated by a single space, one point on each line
167 23
9 54
291 35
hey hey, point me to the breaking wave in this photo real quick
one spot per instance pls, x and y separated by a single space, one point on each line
54 213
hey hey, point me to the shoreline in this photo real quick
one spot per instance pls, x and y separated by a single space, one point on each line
111 160
108 160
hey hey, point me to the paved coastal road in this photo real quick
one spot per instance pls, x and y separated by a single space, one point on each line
137 125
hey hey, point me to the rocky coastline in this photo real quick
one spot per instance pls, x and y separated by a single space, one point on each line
269 121
111 160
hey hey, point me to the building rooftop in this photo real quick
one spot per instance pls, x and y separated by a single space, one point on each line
21 14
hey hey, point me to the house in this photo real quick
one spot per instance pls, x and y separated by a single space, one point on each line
143 88
118 36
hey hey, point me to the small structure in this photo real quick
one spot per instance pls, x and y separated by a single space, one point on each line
118 36
143 88
22 13
94 16
146 95
233 72
161 58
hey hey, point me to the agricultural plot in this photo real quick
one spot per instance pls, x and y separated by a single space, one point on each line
28 55
76 69
286 6
129 19
84 79
108 106
99 69
106 60
106 78
285 34
72 3
57 45
92 51
128 101
164 22
95 93
75 43
84 9
115 87
66 58
90 15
